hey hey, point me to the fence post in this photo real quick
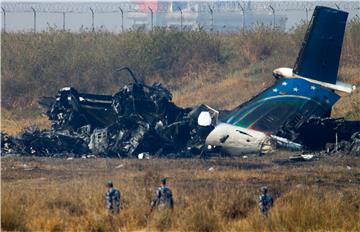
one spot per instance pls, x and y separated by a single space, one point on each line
181 18
92 20
152 18
34 11
273 11
212 17
243 21
64 21
4 22
122 19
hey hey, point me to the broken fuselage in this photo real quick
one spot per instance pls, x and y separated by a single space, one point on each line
305 92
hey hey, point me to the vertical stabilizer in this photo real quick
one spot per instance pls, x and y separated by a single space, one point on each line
320 53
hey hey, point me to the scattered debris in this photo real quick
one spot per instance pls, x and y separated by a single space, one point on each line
119 166
316 132
211 169
300 158
144 155
351 146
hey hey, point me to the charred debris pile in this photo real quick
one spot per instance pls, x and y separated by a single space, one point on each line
139 120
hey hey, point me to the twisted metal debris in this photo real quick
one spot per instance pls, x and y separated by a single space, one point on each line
139 118
142 119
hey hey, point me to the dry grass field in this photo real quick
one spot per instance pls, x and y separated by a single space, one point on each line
50 194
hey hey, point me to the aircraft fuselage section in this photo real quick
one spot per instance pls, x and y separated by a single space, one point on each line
237 140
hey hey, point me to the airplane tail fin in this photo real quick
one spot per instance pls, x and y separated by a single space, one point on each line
320 53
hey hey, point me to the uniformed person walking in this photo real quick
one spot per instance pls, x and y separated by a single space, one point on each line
163 197
112 198
265 201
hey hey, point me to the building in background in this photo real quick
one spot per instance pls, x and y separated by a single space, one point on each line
223 16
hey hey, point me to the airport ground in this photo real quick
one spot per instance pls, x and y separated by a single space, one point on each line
215 194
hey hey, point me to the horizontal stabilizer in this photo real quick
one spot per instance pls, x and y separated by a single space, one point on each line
320 52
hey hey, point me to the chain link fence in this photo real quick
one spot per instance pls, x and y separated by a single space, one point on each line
220 16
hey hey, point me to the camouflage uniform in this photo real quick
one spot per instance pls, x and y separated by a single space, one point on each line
163 198
113 200
265 201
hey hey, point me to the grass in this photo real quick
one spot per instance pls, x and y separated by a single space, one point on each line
13 125
69 195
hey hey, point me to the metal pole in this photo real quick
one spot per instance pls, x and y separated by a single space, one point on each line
181 18
337 6
243 12
273 11
212 17
307 14
122 19
336 142
92 20
152 18
34 11
64 21
4 22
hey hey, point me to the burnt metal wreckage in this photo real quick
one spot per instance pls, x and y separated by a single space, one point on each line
142 119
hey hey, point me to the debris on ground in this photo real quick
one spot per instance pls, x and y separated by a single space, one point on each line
300 158
138 121
119 166
316 132
351 146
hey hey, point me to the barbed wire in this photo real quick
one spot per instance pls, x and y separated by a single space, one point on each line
143 14
164 7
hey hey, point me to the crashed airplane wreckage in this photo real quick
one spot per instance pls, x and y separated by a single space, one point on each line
140 119
291 112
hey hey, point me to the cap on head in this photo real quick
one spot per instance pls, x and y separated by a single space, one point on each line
264 189
163 180
109 184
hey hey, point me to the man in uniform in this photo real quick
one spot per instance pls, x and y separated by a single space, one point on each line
163 197
112 198
265 201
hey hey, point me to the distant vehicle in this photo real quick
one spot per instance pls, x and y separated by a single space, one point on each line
306 91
